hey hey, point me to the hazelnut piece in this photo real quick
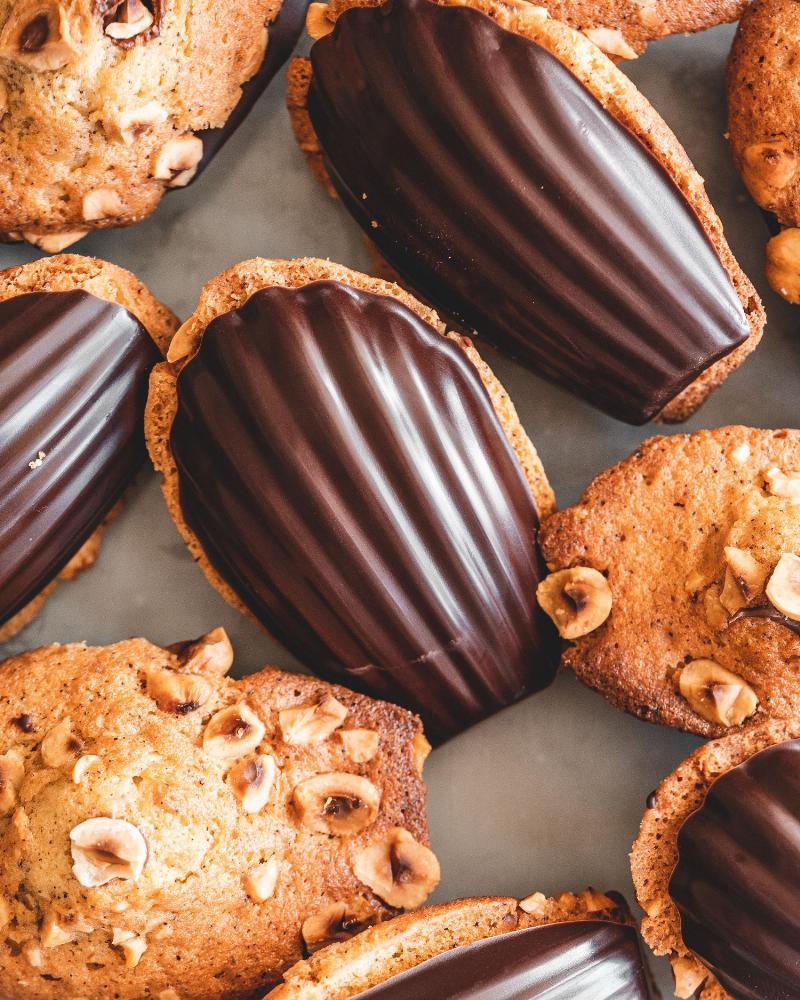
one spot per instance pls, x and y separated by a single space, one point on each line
180 694
33 954
38 36
716 693
783 587
318 24
767 168
177 161
748 573
3 99
360 745
233 732
12 773
578 600
105 849
102 203
260 883
212 653
731 596
399 869
53 934
336 803
420 748
82 765
128 19
783 484
252 781
54 242
783 264
311 723
535 904
689 976
133 948
612 42
336 922
60 746
134 122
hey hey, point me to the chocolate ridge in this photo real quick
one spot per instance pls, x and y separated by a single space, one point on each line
413 143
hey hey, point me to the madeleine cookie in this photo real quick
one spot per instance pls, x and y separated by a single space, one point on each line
358 481
763 107
676 579
169 832
716 867
487 948
106 106
78 338
429 120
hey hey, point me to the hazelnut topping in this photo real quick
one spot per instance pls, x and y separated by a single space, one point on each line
336 922
60 746
177 161
53 934
211 654
612 42
311 723
127 20
180 694
783 484
318 24
578 600
397 868
233 732
12 773
748 573
767 168
105 849
360 745
82 765
260 883
783 587
54 242
252 781
689 976
38 36
716 693
134 122
421 748
336 803
102 203
783 264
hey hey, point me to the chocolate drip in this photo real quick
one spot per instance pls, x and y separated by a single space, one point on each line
592 959
74 381
767 612
500 188
344 469
737 880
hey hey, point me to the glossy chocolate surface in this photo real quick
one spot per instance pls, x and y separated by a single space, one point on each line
589 959
501 190
766 612
73 382
737 881
344 469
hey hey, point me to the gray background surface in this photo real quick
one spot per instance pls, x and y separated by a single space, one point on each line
548 794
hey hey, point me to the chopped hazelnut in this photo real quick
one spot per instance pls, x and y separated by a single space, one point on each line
180 694
748 573
54 242
534 904
260 883
612 42
783 587
318 24
716 693
336 922
178 160
360 745
128 19
767 168
648 13
102 203
5 912
336 803
578 600
716 615
211 654
33 954
252 781
82 765
741 453
731 597
53 934
39 36
783 264
311 723
398 869
233 732
12 773
421 748
133 949
60 746
783 484
134 122
689 976
105 849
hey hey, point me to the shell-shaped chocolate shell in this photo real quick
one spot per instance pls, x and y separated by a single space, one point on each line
737 880
500 188
345 472
589 959
73 383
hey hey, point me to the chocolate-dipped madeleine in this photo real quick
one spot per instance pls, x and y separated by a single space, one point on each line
78 338
358 481
517 180
486 948
716 867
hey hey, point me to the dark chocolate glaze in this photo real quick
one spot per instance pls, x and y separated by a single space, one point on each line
344 469
73 383
737 880
282 36
769 613
590 959
500 189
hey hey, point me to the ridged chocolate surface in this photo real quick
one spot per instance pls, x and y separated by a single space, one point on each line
499 187
586 959
73 382
345 471
737 881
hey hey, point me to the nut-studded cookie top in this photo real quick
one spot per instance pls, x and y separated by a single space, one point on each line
677 576
168 829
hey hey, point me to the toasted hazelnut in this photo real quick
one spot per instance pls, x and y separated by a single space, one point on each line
5 912
535 904
336 803
128 19
716 615
54 242
102 203
731 596
420 748
180 694
311 723
61 746
38 36
105 849
211 654
260 883
336 922
360 745
33 954
134 122
133 949
783 484
783 587
612 42
648 13
689 976
595 902
233 732
741 453
12 773
783 264
177 161
252 781
318 24
695 582
578 600
397 868
82 765
748 573
53 934
716 693
767 168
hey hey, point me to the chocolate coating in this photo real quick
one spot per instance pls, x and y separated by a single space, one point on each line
768 613
344 469
737 880
501 190
73 383
587 958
